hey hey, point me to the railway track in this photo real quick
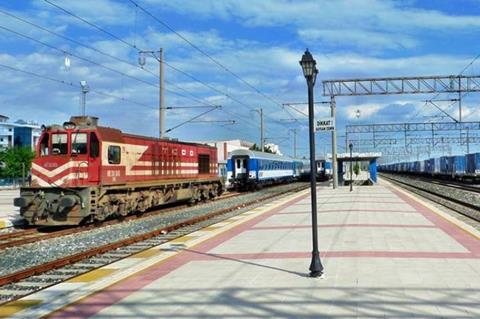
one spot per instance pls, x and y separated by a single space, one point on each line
21 283
442 193
460 186
31 235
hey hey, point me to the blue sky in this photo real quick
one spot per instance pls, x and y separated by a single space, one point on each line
260 41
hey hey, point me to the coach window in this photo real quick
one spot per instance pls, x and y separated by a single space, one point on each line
94 145
44 145
79 143
114 155
59 144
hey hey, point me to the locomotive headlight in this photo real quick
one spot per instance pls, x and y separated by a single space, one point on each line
69 125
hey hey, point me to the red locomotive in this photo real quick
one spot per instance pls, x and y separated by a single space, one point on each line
84 172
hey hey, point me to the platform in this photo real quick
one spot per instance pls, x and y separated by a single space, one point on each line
386 255
8 213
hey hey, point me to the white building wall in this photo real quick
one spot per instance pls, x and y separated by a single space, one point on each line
7 133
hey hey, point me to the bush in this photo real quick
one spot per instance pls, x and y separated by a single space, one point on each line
356 169
12 159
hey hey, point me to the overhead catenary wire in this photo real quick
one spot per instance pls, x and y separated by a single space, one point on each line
71 84
215 61
88 47
63 51
52 79
459 74
87 60
81 44
247 121
166 63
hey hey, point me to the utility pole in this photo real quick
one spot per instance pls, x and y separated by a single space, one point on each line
334 144
262 138
262 142
294 130
460 99
85 88
162 96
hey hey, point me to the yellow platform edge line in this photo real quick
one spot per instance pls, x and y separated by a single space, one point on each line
93 275
13 307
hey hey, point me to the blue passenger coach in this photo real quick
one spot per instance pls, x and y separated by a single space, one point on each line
248 169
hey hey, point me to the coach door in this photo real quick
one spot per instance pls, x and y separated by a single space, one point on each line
240 167
94 160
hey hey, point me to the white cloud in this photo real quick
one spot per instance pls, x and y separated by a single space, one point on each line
97 11
382 24
366 40
383 14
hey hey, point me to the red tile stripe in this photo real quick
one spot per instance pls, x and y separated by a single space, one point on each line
464 238
343 254
342 226
348 210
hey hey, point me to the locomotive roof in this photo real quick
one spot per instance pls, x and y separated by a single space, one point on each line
112 134
260 155
164 140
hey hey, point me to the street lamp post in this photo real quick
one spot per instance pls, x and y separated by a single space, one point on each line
350 146
310 72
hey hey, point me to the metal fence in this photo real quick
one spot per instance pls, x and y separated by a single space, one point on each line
11 182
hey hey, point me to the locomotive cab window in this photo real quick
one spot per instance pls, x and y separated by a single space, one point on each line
94 145
79 143
203 164
114 154
44 145
59 144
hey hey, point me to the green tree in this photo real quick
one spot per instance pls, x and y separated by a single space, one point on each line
267 149
12 159
356 169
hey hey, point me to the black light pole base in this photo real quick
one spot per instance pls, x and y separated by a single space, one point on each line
316 267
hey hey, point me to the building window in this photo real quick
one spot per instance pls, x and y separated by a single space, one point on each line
114 154
59 144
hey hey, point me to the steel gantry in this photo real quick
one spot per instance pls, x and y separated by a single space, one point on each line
433 128
373 144
411 127
402 85
399 85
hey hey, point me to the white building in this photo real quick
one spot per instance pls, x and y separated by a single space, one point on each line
18 133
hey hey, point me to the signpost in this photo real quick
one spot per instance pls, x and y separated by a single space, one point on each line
325 124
